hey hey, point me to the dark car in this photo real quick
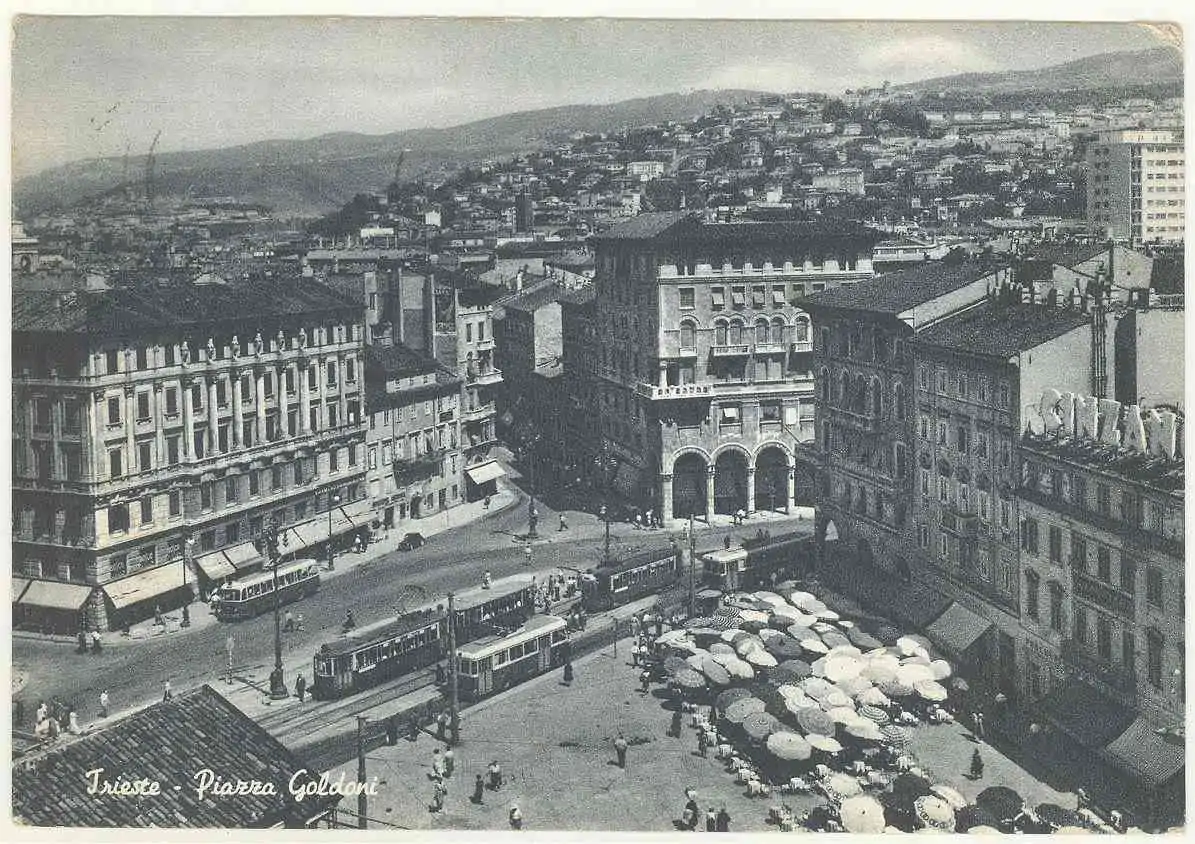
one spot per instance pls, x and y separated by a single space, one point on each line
412 541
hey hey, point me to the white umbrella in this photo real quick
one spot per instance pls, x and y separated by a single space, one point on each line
728 635
784 616
736 667
697 660
907 646
862 815
818 667
951 795
880 668
820 627
788 746
802 599
846 650
843 785
840 667
836 697
814 645
873 697
854 685
672 636
826 614
760 658
931 690
753 616
919 658
787 690
816 687
826 744
745 646
934 812
842 714
769 597
721 648
768 634
846 624
865 730
941 669
913 674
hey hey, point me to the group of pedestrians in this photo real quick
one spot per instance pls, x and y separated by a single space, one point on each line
89 642
52 718
691 816
649 520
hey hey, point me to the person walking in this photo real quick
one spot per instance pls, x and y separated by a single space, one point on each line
478 790
289 624
638 522
300 687
976 765
95 641
103 706
442 726
620 748
711 820
485 579
495 772
439 792
722 821
980 731
692 814
166 693
674 730
82 641
563 523
437 765
413 729
515 817
645 681
568 673
702 744
449 762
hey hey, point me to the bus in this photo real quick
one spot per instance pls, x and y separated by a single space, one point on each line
495 663
629 579
758 563
416 640
254 595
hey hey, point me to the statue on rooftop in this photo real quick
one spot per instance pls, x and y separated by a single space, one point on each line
258 344
186 351
236 346
211 349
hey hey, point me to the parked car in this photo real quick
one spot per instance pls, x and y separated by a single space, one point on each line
411 541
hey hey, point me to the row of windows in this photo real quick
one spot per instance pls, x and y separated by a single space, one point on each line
1102 632
959 496
991 569
861 395
734 331
960 439
1157 516
960 384
780 296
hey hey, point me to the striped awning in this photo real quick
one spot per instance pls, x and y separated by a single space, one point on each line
1144 752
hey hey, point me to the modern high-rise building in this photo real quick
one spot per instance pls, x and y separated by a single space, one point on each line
157 430
1136 185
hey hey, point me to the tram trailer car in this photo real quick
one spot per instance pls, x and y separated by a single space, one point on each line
495 663
253 595
629 579
757 564
366 657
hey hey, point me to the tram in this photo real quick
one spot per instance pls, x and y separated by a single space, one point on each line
495 663
758 563
254 595
629 579
413 641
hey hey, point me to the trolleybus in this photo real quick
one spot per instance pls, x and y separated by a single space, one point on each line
254 595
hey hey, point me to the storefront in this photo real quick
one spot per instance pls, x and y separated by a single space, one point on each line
50 606
139 597
219 566
482 479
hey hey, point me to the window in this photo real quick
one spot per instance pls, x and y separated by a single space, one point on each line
1005 399
943 547
114 411
118 518
207 540
1128 574
142 358
985 505
115 463
1029 535
901 460
289 380
717 298
110 362
230 491
941 382
1005 516
221 393
923 427
1078 553
1080 625
232 533
276 477
175 504
332 373
1032 584
925 483
312 378
943 489
333 460
898 402
72 420
147 510
963 440
1103 499
1056 620
686 297
923 536
1055 544
1153 657
1103 638
981 445
941 432
1128 649
255 482
171 401
468 332
964 498
687 335
1103 563
205 496
350 370
1153 586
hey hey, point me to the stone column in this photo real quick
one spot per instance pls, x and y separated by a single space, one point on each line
92 446
304 396
259 396
663 379
188 421
280 388
750 508
709 493
130 430
342 399
213 418
237 408
790 500
666 499
159 411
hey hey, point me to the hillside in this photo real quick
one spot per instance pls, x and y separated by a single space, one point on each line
315 175
1107 70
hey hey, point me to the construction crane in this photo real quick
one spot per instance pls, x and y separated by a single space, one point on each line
149 170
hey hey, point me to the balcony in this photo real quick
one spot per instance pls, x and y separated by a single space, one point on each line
802 346
770 348
478 414
1110 598
724 389
732 350
419 467
484 345
482 379
1116 678
862 420
960 524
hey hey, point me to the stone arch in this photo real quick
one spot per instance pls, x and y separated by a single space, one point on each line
772 462
763 330
730 479
690 476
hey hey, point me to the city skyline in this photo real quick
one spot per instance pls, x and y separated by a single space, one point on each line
215 82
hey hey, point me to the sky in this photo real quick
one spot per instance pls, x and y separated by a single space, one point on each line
87 87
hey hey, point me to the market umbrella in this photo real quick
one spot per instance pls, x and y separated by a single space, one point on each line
934 813
759 725
801 600
740 709
758 618
931 690
874 714
971 818
873 697
854 685
864 730
791 691
1055 815
785 587
822 627
760 658
695 661
1001 801
960 684
827 614
919 658
714 672
862 639
797 666
908 787
705 635
951 795
728 635
722 648
709 594
824 743
940 668
788 746
841 785
796 705
727 612
912 674
817 687
846 624
674 664
783 647
880 669
672 636
813 720
745 646
862 815
687 678
782 616
813 607
842 714
895 688
908 646
741 601
846 650
769 597
781 676
726 698
841 666
814 645
837 698
736 667
769 634
895 736
885 632
799 631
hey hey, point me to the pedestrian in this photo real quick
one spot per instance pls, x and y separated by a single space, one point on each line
441 725
976 765
563 523
620 748
485 579
527 555
478 790
568 673
413 729
449 762
651 519
1081 799
487 502
158 620
711 820
674 730
980 733
691 814
73 726
82 641
439 674
495 772
726 542
289 624
638 522
300 687
166 693
516 817
635 654
95 641
437 765
103 707
702 744
722 821
43 712
439 792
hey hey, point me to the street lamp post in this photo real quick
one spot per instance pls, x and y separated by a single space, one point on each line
332 504
604 462
188 550
529 443
269 539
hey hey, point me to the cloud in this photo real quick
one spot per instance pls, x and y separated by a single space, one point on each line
780 77
922 57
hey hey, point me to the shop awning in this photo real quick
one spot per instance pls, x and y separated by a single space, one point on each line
216 566
1140 750
146 585
957 629
626 479
314 531
485 472
53 595
1086 715
19 585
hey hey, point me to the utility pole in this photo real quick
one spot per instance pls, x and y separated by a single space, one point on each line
692 565
269 543
362 800
454 706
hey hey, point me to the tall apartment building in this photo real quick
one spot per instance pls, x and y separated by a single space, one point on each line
413 462
580 427
156 430
704 355
1136 185
864 408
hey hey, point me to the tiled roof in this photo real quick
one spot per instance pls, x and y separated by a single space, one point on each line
531 299
1001 330
579 296
897 292
399 360
1066 255
168 742
125 311
647 226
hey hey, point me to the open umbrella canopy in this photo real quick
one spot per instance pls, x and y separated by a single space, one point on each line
737 712
738 668
781 676
770 598
837 698
908 787
722 648
714 672
931 690
908 646
1055 815
960 684
1001 801
880 668
705 635
672 636
842 714
934 813
821 627
687 678
741 601
873 697
951 795
788 746
864 730
854 685
797 705
769 634
815 721
753 617
793 692
695 661
813 644
895 688
760 658
709 594
845 624
748 643
862 815
817 687
760 725
802 600
1072 830
726 698
827 614
863 639
783 647
846 650
797 666
799 631
727 612
940 668
842 785
824 743
913 673
782 616
841 667
972 818
874 714
674 664
729 634
895 736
